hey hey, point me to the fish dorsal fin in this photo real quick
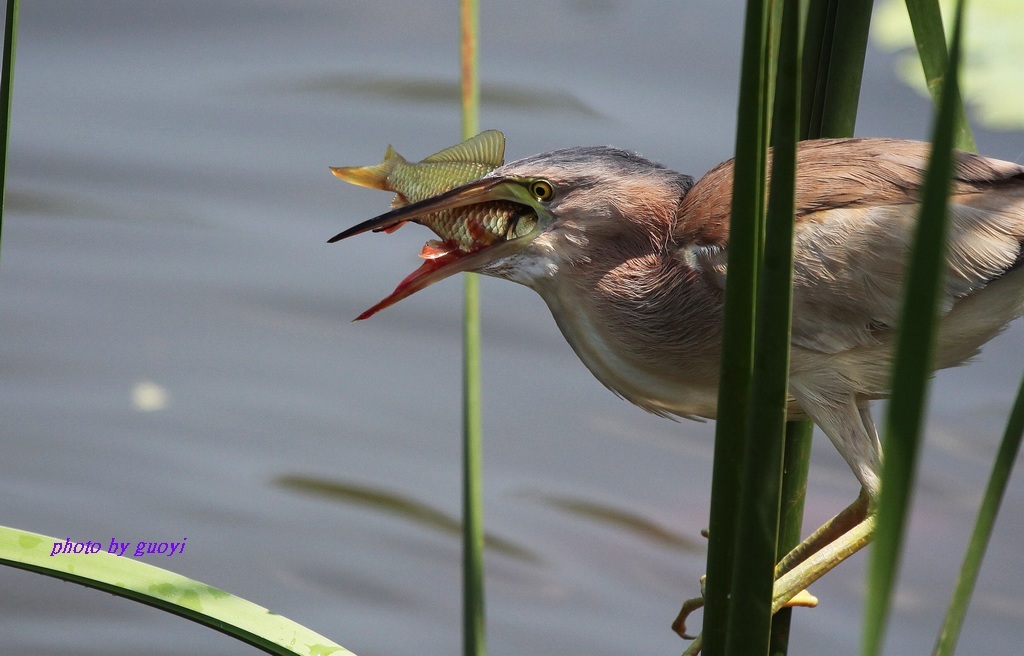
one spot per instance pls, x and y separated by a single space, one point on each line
486 148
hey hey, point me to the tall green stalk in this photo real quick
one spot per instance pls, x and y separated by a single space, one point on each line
6 84
474 641
930 37
746 228
835 43
758 516
994 491
912 368
841 93
795 464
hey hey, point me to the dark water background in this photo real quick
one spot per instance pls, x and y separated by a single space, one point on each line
169 201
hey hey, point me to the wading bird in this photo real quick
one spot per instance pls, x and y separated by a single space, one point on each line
630 258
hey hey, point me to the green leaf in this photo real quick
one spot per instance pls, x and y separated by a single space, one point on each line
994 491
835 42
746 228
795 465
912 368
6 81
131 579
758 515
926 21
835 45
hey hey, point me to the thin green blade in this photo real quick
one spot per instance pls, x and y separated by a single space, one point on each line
994 491
6 86
835 43
746 228
131 579
930 37
758 518
915 345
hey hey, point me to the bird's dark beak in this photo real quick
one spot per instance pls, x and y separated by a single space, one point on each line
480 191
440 265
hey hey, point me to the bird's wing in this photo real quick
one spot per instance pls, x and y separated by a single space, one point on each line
857 208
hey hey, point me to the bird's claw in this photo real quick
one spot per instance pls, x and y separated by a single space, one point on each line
690 605
803 599
679 625
694 647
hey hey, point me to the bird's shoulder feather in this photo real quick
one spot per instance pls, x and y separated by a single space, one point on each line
856 205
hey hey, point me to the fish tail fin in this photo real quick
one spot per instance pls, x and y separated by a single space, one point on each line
374 177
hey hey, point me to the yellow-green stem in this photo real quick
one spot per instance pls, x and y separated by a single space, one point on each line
473 618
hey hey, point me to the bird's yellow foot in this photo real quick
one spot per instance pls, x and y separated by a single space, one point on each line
803 599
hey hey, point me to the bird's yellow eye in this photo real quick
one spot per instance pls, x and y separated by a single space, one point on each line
541 190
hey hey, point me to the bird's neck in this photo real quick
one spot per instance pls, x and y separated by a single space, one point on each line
638 318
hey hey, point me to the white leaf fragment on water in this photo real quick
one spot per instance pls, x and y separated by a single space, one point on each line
148 396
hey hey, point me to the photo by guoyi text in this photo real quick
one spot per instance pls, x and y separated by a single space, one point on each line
142 547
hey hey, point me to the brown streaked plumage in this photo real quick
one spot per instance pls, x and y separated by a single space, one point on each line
630 257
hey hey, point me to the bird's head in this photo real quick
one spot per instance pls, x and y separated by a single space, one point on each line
567 207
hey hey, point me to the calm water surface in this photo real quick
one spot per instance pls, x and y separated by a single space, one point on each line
178 362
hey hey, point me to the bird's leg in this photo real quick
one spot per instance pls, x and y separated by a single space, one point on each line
822 561
849 426
830 531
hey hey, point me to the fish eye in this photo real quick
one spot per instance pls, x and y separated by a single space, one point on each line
542 190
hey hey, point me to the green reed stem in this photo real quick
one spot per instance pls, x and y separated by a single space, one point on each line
834 47
912 368
750 615
795 465
747 225
845 61
835 42
994 491
930 37
473 619
6 85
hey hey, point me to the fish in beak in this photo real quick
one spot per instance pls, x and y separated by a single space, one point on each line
446 169
477 223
